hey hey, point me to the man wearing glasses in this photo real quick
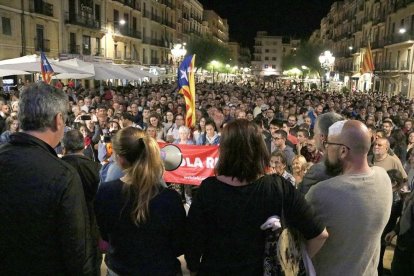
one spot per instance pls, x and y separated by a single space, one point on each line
318 171
279 138
355 205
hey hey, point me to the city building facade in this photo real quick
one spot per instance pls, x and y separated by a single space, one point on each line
218 27
119 31
387 27
269 52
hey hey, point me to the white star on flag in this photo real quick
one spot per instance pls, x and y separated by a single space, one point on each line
184 75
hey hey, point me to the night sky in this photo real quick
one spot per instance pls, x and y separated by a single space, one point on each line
297 18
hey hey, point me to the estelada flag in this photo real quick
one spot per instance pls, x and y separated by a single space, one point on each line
46 68
367 65
186 86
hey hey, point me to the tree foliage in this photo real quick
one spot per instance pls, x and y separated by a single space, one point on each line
206 50
307 54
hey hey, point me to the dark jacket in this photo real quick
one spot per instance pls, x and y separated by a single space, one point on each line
44 220
88 171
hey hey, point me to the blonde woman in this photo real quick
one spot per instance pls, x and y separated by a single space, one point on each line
142 220
298 168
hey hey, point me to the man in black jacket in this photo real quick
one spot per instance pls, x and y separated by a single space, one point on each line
43 214
88 170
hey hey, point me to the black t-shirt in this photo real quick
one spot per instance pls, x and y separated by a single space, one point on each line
224 224
152 247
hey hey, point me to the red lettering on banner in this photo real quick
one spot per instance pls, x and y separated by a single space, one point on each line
198 164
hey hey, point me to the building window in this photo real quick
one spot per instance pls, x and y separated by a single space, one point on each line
266 58
6 25
86 45
266 50
274 58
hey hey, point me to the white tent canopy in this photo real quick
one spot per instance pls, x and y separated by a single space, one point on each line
31 63
140 72
8 72
74 69
105 71
87 67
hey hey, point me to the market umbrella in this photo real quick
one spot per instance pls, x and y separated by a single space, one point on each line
140 72
78 64
31 63
105 71
8 72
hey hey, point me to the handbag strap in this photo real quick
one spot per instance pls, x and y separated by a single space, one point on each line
279 180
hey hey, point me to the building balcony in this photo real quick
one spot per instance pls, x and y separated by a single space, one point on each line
146 40
198 33
156 18
168 3
157 42
81 20
168 23
146 13
379 66
99 52
358 27
86 50
404 66
378 19
390 66
42 45
130 3
41 7
74 49
377 44
125 31
399 38
402 4
155 61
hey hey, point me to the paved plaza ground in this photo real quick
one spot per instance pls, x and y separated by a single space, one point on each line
387 261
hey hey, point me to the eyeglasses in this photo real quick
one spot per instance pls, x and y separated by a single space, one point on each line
326 143
277 138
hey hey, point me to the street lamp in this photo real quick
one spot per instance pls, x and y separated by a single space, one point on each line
178 52
109 32
326 60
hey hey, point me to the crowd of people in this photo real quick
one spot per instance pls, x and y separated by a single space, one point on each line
82 174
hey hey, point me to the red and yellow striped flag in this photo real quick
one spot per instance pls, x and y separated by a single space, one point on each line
367 65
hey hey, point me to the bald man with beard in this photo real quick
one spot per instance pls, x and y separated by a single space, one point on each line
355 205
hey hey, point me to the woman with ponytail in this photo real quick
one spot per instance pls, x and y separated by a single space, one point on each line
140 218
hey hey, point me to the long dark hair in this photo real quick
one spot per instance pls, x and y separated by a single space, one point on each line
243 153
